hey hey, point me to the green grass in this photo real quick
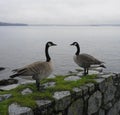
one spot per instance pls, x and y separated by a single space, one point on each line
29 100
61 84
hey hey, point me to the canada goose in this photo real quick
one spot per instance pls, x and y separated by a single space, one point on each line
38 70
85 60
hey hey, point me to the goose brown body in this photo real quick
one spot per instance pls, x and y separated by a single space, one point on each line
38 70
85 60
41 69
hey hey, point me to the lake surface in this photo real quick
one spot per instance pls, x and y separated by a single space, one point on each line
20 46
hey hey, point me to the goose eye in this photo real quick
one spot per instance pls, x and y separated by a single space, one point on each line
75 44
49 44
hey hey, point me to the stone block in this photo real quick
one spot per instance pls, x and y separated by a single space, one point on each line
94 102
107 106
62 100
51 76
84 90
91 87
15 109
101 84
101 112
49 84
44 107
77 91
91 72
9 87
72 78
26 91
43 103
76 107
109 93
115 110
4 97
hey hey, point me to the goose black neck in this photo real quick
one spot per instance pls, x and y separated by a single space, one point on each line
78 49
47 54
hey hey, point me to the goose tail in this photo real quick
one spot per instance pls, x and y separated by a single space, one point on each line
15 75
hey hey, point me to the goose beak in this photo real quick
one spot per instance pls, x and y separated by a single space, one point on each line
71 44
54 44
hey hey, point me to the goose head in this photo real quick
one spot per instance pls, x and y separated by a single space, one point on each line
74 44
49 44
77 46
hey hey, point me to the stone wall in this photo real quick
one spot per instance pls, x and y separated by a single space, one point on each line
101 98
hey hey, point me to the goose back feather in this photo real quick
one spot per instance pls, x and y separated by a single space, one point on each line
86 60
42 69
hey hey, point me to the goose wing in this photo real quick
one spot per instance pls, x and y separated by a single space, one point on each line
87 59
34 68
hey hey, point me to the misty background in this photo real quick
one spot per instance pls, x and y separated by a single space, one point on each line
60 11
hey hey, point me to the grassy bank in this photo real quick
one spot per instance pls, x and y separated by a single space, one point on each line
29 99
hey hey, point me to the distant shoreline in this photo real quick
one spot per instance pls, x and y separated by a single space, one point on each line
71 25
12 24
65 25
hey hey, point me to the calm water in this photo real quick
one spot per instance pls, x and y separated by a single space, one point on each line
23 45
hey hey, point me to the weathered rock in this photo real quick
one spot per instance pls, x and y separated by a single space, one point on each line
84 90
72 73
27 82
94 102
91 72
62 100
2 68
44 107
115 110
72 78
76 107
107 88
5 96
51 76
80 74
79 70
78 91
26 91
99 69
9 87
61 94
49 84
107 76
15 109
109 93
107 106
101 84
5 82
91 87
101 112
43 103
60 113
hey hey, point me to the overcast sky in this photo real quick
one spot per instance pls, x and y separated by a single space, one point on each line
60 11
